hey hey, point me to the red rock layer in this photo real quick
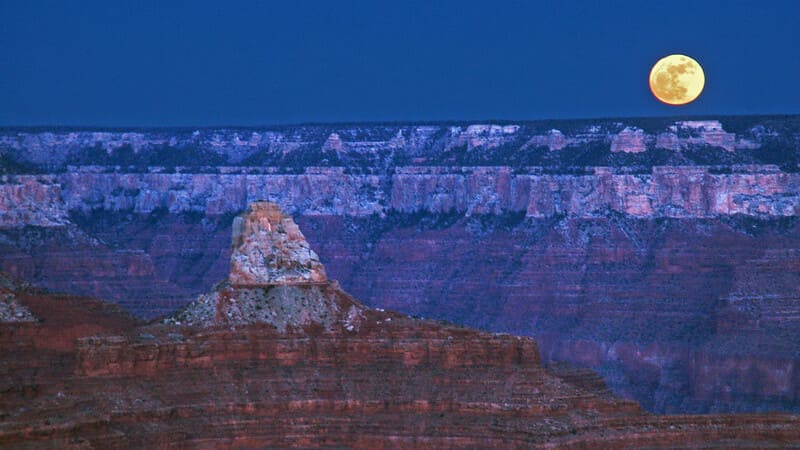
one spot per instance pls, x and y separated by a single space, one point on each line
681 315
150 265
397 383
389 382
40 355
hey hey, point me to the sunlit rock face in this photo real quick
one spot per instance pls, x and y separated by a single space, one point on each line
268 248
275 278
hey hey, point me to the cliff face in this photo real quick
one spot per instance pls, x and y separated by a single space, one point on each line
368 379
288 261
275 278
38 342
685 169
662 253
683 192
396 383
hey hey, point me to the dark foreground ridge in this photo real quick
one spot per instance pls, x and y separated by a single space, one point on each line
292 369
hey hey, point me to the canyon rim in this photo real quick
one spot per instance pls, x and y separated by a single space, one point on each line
662 253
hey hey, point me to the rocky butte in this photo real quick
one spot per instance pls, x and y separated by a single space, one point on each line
289 260
275 278
661 252
287 359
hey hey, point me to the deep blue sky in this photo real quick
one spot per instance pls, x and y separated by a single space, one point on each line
162 63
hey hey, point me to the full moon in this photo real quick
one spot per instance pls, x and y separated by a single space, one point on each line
677 79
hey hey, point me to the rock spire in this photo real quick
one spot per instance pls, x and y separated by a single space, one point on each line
269 249
275 278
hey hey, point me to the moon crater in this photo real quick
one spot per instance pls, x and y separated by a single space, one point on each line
677 79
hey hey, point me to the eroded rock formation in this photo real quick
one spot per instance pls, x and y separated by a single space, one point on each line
288 260
11 310
390 382
661 252
275 278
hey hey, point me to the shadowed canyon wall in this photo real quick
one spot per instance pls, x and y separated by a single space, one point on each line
299 363
663 253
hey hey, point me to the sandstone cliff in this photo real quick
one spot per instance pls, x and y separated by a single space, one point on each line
275 278
679 169
390 382
287 261
662 252
675 191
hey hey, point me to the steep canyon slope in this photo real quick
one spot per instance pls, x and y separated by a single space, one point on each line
663 253
277 355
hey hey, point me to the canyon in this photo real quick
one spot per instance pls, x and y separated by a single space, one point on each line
262 363
663 253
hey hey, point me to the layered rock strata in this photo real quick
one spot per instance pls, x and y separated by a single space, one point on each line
680 192
38 351
287 261
389 382
661 252
275 278
171 149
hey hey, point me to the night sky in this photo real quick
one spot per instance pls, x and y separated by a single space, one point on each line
160 63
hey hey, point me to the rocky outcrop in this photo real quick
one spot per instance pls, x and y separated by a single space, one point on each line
381 145
668 191
282 306
686 133
629 140
691 232
31 201
390 382
641 300
275 278
269 249
11 310
553 140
